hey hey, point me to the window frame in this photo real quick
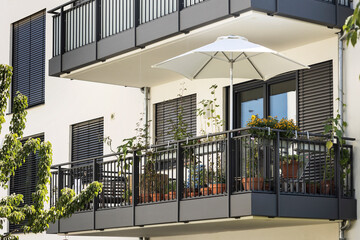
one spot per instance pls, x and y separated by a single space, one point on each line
265 85
12 59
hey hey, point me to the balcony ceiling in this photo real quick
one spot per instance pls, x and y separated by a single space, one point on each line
134 69
208 227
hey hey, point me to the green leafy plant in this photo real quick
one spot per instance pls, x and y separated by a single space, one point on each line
209 112
13 154
352 27
179 128
335 128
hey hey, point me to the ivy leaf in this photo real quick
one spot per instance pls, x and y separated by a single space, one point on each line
329 144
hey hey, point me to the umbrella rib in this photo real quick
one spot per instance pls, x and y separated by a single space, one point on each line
238 56
202 68
226 56
252 64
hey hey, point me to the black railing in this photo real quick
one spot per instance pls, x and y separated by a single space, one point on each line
76 24
188 3
233 162
116 16
153 9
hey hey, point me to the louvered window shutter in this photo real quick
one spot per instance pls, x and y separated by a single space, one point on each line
167 115
315 87
25 179
87 139
29 58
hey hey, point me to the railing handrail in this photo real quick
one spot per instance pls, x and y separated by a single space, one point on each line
53 11
197 138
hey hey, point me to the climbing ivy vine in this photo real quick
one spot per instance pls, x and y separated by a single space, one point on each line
13 154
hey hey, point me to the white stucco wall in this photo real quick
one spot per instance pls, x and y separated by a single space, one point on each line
352 117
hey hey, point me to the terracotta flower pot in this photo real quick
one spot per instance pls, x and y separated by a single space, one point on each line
290 170
151 197
170 196
327 187
205 191
191 193
312 188
217 188
255 183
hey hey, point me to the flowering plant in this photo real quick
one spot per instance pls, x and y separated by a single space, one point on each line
272 122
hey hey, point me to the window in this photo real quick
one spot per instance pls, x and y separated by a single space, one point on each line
28 58
87 139
25 179
166 115
305 96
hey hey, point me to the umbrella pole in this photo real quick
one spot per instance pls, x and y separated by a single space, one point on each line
231 127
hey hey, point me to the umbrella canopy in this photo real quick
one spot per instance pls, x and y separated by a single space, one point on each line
236 54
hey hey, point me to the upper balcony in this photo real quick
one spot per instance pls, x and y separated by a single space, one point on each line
240 179
86 33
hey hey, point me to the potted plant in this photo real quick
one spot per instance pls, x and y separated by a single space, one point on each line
253 179
290 166
258 124
170 190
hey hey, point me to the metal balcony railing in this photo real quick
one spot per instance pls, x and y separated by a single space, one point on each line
79 23
226 163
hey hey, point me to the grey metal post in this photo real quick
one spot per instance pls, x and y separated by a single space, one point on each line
179 177
60 187
229 167
277 175
338 175
96 198
135 184
62 36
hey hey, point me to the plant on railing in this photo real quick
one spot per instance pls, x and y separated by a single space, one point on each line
209 113
179 128
13 154
140 143
336 128
287 127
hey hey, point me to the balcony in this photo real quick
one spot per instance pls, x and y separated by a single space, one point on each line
96 30
237 179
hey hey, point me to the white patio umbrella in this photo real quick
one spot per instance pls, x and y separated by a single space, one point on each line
244 59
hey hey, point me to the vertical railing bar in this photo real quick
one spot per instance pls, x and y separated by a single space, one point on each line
277 177
135 185
229 177
179 176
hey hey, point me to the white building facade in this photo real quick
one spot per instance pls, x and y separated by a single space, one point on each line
98 58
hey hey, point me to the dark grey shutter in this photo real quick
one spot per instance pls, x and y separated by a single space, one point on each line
315 87
87 139
166 114
25 179
29 58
